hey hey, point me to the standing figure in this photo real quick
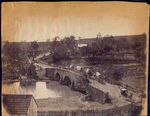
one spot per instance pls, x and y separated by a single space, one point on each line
91 72
98 77
93 77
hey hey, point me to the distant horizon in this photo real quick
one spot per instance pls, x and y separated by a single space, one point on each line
78 39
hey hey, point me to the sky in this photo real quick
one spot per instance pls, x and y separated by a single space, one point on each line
40 21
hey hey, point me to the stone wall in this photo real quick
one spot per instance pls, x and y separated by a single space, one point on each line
50 73
97 94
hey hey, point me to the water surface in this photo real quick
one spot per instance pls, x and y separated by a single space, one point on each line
39 90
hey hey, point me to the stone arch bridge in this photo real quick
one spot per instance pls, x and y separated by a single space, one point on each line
70 78
63 76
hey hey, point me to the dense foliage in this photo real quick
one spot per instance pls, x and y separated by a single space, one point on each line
115 47
14 60
139 47
33 50
64 48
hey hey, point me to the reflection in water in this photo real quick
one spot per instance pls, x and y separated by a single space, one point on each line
43 92
37 89
63 90
27 87
28 83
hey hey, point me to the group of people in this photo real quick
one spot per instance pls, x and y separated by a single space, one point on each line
87 72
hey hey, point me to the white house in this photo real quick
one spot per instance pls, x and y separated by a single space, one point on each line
81 45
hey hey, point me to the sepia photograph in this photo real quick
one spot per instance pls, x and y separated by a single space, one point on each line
74 58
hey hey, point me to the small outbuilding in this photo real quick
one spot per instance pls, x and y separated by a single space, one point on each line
24 105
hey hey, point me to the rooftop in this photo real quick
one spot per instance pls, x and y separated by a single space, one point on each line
16 104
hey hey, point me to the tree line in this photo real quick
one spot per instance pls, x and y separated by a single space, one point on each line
66 47
16 58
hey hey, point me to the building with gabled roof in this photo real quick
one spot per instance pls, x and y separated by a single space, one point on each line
16 104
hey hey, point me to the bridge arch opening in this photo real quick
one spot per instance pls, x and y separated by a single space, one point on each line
67 81
57 77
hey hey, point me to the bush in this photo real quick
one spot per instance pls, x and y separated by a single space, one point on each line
117 75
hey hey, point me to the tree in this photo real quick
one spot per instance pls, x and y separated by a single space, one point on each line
92 50
54 44
59 50
108 41
14 59
117 75
34 45
108 48
31 73
70 43
57 38
139 46
33 49
11 50
83 50
99 35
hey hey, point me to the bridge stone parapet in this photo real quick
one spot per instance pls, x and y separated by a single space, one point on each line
63 76
97 94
